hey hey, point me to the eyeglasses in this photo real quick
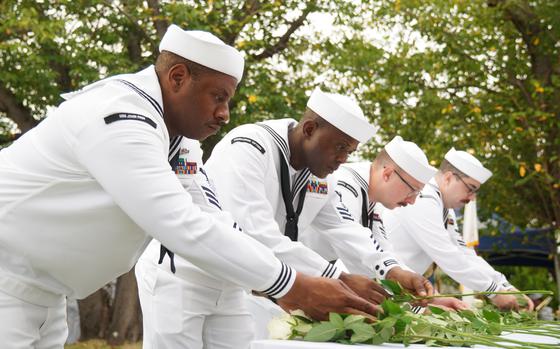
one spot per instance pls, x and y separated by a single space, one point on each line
413 191
471 189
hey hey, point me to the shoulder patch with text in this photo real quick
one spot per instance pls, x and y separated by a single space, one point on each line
349 187
249 141
128 116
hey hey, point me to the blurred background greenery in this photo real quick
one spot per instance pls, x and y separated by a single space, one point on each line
479 75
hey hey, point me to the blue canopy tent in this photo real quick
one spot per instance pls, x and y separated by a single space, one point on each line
529 247
534 247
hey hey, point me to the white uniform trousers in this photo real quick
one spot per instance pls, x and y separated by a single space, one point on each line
183 314
262 310
25 325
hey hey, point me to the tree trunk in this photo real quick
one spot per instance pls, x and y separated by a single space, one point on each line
15 110
94 314
126 317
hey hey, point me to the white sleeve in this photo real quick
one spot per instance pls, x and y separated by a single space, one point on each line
242 187
380 234
424 221
353 243
129 160
497 277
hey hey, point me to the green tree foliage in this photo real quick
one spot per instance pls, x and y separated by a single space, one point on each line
480 75
51 47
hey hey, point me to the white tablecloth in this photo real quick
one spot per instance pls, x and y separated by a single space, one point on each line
276 344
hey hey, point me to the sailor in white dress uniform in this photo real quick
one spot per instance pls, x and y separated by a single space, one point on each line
427 231
84 192
274 176
394 179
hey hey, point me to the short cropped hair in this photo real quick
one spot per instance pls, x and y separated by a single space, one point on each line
382 159
166 60
310 115
446 166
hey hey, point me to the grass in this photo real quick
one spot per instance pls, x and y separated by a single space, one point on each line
101 344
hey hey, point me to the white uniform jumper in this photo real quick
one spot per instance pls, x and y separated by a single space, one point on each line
427 232
190 308
352 186
83 193
245 166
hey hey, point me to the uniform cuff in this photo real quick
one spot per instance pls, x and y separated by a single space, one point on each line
339 268
333 270
283 283
492 288
383 267
506 286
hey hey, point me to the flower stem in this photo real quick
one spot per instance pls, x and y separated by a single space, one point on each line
544 292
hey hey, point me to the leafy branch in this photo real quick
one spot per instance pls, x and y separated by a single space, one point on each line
397 324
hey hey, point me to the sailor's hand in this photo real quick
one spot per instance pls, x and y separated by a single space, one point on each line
505 302
412 282
365 287
318 296
511 302
449 303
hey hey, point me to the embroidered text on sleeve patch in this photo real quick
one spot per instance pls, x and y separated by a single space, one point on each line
349 187
127 116
249 141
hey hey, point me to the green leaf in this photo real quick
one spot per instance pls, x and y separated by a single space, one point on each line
340 334
491 315
436 321
386 333
392 286
323 332
469 314
421 329
391 308
361 332
400 325
350 319
336 320
388 322
436 310
494 329
377 340
455 317
478 324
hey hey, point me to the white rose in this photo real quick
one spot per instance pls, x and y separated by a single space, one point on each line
280 327
299 312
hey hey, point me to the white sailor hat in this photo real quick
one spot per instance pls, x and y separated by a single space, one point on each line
203 48
409 157
468 164
343 113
